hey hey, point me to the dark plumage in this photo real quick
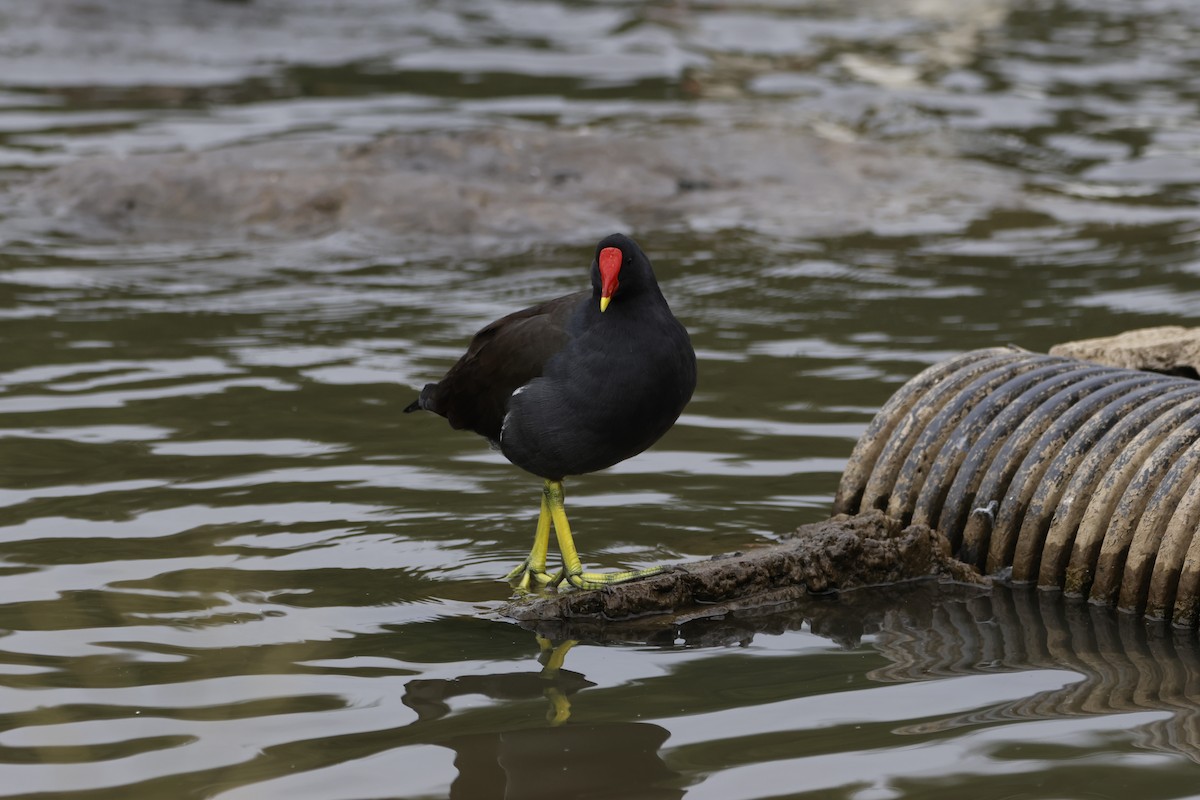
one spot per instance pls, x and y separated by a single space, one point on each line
565 388
502 357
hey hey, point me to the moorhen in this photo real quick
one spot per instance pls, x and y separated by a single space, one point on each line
571 386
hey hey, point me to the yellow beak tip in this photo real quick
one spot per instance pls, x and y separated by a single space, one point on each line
604 301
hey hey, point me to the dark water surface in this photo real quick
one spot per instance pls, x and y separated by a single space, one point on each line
230 568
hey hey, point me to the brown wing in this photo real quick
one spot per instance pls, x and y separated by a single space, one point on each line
504 356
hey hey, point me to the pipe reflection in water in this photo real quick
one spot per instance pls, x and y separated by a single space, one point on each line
1124 664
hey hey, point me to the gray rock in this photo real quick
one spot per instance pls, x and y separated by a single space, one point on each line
529 185
1171 349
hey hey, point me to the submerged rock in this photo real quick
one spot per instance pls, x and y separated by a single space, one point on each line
538 186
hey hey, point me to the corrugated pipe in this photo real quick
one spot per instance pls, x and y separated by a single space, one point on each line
1076 476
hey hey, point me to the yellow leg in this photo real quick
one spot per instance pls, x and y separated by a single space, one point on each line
572 570
551 656
531 573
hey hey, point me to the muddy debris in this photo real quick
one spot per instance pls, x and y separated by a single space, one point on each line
837 555
522 185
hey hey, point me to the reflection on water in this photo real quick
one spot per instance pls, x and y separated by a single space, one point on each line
232 569
1124 666
1068 663
611 759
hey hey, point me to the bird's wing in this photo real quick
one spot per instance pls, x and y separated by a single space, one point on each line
502 357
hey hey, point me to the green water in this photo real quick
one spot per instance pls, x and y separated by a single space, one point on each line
231 568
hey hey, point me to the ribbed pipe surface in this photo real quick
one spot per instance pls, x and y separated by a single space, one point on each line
1076 476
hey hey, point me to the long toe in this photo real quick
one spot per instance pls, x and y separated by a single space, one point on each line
598 580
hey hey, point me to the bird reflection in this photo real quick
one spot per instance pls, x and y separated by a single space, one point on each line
551 657
531 760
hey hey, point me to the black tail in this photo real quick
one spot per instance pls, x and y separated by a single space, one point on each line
421 403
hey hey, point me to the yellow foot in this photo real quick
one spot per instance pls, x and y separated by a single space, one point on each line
598 580
526 578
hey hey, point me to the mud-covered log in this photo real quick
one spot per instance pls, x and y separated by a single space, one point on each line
838 554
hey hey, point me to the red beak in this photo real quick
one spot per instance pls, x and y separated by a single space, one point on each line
610 267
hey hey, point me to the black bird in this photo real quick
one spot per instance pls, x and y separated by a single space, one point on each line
571 386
